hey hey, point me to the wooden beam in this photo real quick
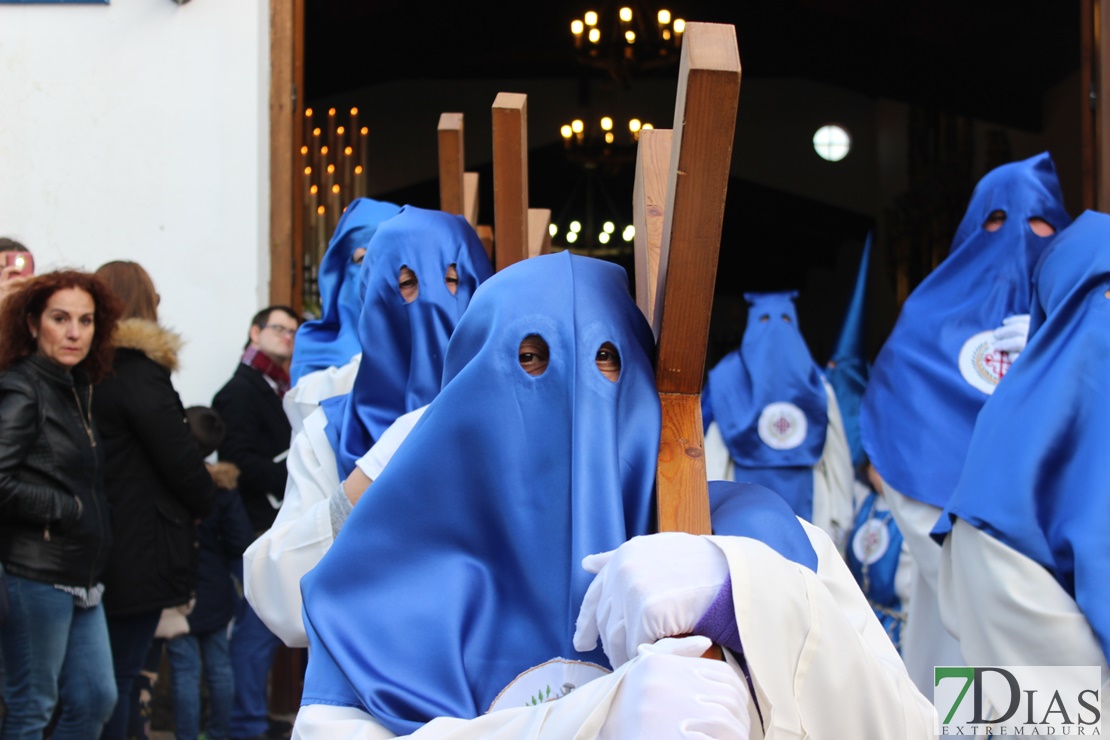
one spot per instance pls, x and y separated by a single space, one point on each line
451 163
539 234
282 151
701 155
297 301
682 466
470 197
485 234
510 178
1088 111
1102 115
653 157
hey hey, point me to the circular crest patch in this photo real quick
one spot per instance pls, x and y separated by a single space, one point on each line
871 541
782 426
981 365
546 682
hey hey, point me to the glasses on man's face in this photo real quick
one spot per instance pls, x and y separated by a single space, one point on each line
281 331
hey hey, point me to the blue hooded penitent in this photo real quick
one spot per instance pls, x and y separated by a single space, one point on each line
938 367
1037 476
332 339
848 368
460 567
403 344
769 402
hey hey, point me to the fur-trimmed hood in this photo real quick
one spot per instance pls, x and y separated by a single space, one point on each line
156 342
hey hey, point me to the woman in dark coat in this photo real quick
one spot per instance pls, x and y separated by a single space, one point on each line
155 480
54 529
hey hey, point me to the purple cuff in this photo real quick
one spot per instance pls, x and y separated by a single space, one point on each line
719 621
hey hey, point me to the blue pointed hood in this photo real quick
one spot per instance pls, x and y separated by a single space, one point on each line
460 567
848 368
403 344
332 339
938 367
1037 476
769 402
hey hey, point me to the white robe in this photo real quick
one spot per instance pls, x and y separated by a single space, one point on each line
926 642
1007 609
314 388
302 532
833 477
821 666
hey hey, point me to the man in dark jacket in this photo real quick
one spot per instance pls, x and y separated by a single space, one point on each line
257 441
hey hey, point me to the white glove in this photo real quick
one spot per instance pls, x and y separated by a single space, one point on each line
669 692
1012 335
650 587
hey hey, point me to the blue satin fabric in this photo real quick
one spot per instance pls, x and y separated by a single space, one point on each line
332 339
848 368
918 411
771 365
750 510
1037 476
461 566
403 344
881 579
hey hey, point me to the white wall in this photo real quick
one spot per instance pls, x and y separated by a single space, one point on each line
139 130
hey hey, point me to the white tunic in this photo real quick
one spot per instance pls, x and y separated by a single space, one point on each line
1007 609
821 666
833 477
302 532
925 640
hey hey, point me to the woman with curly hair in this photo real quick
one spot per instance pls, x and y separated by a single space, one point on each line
54 528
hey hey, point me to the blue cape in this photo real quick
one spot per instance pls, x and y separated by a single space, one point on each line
1037 476
918 410
403 344
461 566
772 365
332 339
754 511
848 368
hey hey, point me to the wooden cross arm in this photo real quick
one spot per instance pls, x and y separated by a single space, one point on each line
510 178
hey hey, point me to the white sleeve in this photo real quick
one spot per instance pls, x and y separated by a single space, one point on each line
314 388
804 633
379 455
833 479
718 462
1031 619
1025 600
301 534
916 520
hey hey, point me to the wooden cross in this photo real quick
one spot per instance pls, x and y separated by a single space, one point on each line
679 203
519 231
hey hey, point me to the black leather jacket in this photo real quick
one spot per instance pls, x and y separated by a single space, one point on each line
48 463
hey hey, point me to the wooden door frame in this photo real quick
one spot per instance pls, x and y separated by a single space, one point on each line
286 110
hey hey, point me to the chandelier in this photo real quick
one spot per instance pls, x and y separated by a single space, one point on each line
590 222
625 41
600 146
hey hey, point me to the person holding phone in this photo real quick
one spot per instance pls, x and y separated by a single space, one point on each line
16 265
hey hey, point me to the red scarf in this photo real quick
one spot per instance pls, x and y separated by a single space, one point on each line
263 364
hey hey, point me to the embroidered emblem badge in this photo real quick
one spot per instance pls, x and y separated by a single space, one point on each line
981 365
782 426
546 682
871 541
